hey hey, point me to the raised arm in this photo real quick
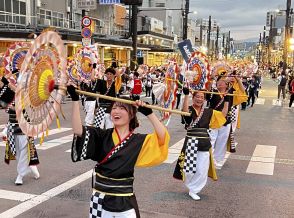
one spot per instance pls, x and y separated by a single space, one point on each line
186 100
157 125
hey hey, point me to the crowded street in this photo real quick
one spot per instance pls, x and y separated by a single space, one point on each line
146 108
257 179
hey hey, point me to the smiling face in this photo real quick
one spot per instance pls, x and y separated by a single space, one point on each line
198 99
120 115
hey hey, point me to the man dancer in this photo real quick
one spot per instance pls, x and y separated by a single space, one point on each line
109 87
18 145
219 137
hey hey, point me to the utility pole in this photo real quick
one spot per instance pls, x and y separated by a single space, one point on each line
201 34
134 36
223 46
208 35
228 45
216 43
263 45
285 51
270 41
185 19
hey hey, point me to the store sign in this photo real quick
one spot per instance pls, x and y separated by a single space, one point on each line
109 2
139 53
186 49
87 4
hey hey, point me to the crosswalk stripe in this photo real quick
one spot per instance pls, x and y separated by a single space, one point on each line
276 102
262 160
260 101
15 196
55 142
38 199
174 151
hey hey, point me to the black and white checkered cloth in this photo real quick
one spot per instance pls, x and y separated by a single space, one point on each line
191 155
96 205
99 117
11 138
234 114
85 145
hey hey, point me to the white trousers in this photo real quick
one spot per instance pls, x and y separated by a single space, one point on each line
21 146
90 112
126 214
106 122
219 138
196 182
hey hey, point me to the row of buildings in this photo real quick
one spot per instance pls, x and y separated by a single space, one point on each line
160 28
271 44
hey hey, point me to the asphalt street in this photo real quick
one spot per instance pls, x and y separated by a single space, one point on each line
256 181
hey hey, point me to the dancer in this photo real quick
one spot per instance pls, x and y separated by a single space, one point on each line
18 145
109 87
117 150
195 159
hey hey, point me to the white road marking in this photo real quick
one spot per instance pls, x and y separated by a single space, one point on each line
15 196
277 103
69 150
34 201
174 151
260 101
54 142
2 126
262 160
51 143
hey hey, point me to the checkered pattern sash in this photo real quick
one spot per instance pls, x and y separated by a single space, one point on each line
234 111
11 138
190 160
96 204
99 117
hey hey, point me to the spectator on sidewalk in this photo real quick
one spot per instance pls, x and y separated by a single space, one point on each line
252 90
136 87
282 81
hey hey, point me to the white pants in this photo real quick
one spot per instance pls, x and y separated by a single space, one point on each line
126 214
21 146
90 112
196 182
219 138
107 122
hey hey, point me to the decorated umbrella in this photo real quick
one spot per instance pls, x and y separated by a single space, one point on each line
166 92
13 58
44 67
197 70
85 58
72 71
221 68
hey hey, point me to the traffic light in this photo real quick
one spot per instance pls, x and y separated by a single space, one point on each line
132 2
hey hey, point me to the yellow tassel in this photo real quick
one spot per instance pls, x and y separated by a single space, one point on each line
57 122
42 139
47 132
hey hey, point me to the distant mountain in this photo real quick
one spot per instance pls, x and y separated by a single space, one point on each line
250 40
